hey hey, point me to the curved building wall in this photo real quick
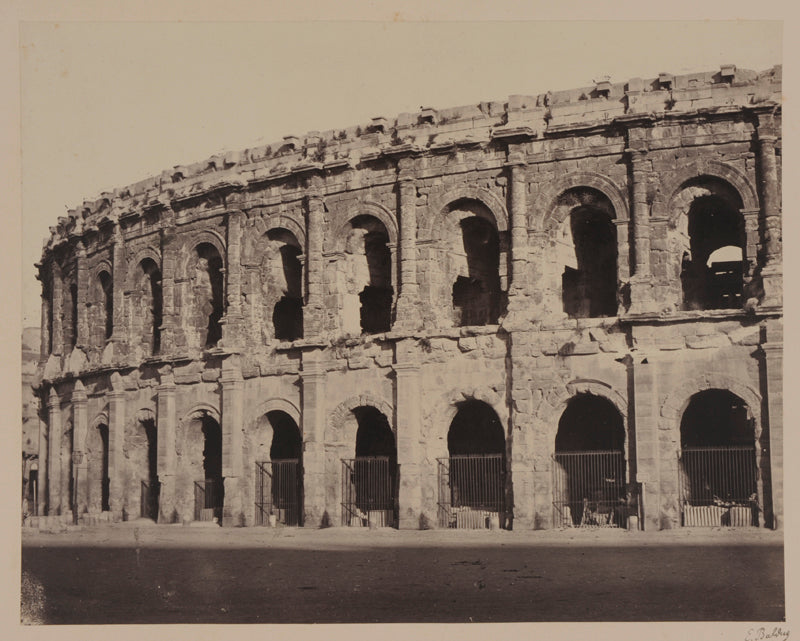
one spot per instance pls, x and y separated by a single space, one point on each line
620 241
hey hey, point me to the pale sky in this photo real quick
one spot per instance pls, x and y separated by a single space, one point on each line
104 105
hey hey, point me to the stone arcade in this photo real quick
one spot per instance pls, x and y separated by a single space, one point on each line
557 311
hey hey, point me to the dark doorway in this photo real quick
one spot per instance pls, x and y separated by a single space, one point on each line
107 303
209 291
589 471
472 480
152 303
104 479
713 271
590 289
719 471
284 471
369 481
214 490
287 316
150 485
477 297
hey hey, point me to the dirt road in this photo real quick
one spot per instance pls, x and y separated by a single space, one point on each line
186 575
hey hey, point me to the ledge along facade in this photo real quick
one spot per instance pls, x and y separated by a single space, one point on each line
562 310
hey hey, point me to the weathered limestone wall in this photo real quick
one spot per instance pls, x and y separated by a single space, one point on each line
438 258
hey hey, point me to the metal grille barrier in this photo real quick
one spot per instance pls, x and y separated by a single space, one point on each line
472 491
719 486
369 492
279 487
207 500
589 490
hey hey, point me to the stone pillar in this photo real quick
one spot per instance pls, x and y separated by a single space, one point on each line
643 427
82 282
167 456
119 275
169 260
232 328
80 464
58 303
54 454
42 477
519 450
116 442
315 228
770 211
408 313
312 376
519 305
773 371
641 284
413 514
232 441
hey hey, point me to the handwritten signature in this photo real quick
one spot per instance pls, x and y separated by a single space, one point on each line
762 634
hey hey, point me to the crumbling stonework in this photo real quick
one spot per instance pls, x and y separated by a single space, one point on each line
619 244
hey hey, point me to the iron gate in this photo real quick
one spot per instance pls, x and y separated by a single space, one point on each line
589 490
719 486
472 491
208 498
369 491
279 492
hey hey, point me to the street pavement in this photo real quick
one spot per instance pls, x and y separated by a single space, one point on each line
143 573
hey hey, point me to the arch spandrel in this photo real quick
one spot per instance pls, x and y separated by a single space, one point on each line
546 213
346 212
440 207
706 168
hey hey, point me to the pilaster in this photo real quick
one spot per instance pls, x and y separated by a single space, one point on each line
641 280
313 418
413 514
169 266
167 456
80 467
520 308
232 441
54 454
645 428
116 442
232 328
314 309
408 312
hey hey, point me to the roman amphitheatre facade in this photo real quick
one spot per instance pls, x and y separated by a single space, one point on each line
559 310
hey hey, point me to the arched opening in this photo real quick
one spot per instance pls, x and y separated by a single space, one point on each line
141 447
589 471
366 278
472 479
107 302
713 265
287 310
47 293
210 492
589 243
369 481
97 450
477 295
207 288
72 325
147 306
279 480
719 468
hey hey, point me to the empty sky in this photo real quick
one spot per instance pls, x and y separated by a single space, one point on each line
106 104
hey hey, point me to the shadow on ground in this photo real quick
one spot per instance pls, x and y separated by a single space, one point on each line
91 585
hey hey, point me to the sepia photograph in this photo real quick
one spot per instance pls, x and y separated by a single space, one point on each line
402 321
